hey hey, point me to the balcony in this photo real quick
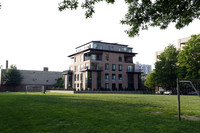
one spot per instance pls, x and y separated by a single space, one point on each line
92 68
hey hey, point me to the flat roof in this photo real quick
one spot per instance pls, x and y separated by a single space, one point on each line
103 43
102 50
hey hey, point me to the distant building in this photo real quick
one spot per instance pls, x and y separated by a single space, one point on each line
143 68
180 44
101 65
32 77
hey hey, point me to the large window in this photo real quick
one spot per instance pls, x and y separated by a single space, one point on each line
113 77
77 77
120 58
113 67
120 67
120 77
107 57
114 87
120 87
130 68
106 66
106 76
107 85
74 77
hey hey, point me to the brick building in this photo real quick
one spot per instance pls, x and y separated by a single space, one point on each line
102 66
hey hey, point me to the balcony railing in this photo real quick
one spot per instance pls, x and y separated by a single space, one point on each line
91 68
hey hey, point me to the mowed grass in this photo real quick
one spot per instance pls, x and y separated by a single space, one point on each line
90 113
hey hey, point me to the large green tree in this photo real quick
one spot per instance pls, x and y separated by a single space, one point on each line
189 59
59 83
12 77
150 80
144 13
166 68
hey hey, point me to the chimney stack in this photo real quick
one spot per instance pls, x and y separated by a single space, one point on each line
6 64
45 69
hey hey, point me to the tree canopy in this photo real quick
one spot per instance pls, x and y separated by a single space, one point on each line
150 80
12 77
59 83
189 59
146 13
166 68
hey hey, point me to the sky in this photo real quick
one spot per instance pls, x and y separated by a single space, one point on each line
35 34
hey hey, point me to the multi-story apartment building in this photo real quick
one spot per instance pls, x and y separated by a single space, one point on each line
143 68
101 65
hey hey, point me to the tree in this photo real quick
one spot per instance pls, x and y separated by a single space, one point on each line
12 77
189 59
166 68
150 80
144 13
59 83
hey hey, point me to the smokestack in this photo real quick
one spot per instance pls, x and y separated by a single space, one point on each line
6 64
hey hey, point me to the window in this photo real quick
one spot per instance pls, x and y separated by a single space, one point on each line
107 57
96 46
113 77
120 77
74 59
77 85
101 47
74 68
120 59
112 48
106 76
107 85
120 87
77 77
130 68
74 77
120 67
74 86
106 66
113 67
95 66
119 49
81 77
114 87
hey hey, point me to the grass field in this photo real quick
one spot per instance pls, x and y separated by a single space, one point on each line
89 113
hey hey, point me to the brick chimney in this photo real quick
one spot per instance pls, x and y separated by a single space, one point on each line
6 64
46 69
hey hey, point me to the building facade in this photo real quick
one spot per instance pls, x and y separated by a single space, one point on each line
33 77
143 68
180 44
102 66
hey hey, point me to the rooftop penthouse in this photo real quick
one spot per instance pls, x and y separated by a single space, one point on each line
104 46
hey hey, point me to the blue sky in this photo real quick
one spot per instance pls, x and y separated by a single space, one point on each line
34 34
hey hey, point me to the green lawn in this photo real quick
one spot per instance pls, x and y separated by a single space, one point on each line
89 113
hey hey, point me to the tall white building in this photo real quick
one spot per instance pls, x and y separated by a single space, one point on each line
143 68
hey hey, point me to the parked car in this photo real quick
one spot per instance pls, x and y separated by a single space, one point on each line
167 92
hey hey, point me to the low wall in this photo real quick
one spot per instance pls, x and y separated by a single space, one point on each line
115 92
101 92
60 91
20 88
